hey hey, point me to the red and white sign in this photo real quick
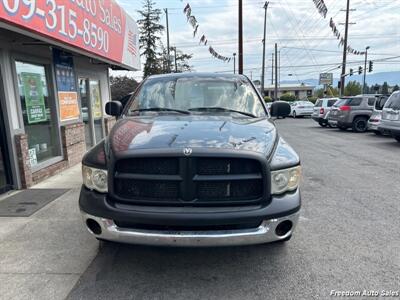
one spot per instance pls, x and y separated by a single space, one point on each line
100 27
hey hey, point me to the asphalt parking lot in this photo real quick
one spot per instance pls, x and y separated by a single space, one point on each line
347 238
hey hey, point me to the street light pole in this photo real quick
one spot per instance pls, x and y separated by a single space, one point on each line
263 57
365 68
169 58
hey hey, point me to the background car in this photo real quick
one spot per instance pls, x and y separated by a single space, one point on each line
391 116
352 112
375 119
302 108
321 109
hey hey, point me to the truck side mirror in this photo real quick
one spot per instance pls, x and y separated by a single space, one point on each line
114 108
280 109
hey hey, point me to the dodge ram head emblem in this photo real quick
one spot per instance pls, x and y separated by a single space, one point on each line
187 151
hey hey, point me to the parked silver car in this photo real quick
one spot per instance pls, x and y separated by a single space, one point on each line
352 112
321 109
391 116
375 119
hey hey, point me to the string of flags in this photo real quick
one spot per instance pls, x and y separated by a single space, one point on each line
322 9
337 34
191 19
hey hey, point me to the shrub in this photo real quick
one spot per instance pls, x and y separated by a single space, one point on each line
288 97
267 99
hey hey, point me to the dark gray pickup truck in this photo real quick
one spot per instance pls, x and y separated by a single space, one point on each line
193 160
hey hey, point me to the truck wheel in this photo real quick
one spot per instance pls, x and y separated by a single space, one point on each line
322 124
294 114
360 124
397 138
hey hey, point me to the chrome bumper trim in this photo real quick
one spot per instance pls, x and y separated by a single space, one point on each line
265 233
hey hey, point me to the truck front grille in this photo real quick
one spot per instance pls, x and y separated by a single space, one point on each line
195 181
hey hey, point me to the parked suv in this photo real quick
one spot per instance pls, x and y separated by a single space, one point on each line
375 119
321 109
391 116
352 112
193 160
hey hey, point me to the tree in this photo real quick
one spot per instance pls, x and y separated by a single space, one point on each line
385 88
182 60
287 97
331 92
122 86
353 88
150 30
396 88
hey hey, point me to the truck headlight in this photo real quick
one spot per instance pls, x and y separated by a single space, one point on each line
285 180
95 179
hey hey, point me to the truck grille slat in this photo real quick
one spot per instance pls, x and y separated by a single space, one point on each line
189 181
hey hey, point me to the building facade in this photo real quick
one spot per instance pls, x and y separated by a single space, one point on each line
300 91
54 81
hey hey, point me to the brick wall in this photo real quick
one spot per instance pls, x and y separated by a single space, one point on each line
21 145
73 144
73 140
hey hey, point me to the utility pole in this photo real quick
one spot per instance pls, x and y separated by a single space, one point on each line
365 68
169 57
263 57
272 70
176 64
240 36
234 63
276 73
279 68
346 31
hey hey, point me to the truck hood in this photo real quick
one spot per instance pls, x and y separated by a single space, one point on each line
194 131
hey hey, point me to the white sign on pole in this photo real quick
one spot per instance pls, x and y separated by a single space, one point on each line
326 78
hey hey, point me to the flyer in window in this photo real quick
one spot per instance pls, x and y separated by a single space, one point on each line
66 85
34 99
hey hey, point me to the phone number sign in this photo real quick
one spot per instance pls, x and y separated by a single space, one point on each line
100 27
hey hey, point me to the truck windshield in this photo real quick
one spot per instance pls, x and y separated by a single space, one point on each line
393 102
198 95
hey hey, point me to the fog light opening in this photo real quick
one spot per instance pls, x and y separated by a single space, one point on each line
93 226
283 228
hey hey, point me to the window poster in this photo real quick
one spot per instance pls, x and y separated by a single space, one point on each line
66 85
96 99
34 99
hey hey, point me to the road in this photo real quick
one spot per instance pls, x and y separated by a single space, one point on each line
347 239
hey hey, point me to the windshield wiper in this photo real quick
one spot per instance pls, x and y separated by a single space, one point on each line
161 109
222 109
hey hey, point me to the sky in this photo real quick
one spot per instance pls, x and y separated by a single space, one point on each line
306 43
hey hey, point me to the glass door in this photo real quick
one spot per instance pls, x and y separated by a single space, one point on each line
97 110
92 111
5 179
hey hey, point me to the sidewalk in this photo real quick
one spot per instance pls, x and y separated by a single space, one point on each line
43 256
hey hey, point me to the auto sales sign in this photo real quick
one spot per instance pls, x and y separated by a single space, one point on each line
99 27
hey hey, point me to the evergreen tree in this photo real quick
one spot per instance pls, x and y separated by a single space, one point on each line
385 88
353 88
396 88
150 30
182 60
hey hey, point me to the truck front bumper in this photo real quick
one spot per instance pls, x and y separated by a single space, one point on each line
277 221
264 233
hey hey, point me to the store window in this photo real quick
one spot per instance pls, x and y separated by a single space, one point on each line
38 111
